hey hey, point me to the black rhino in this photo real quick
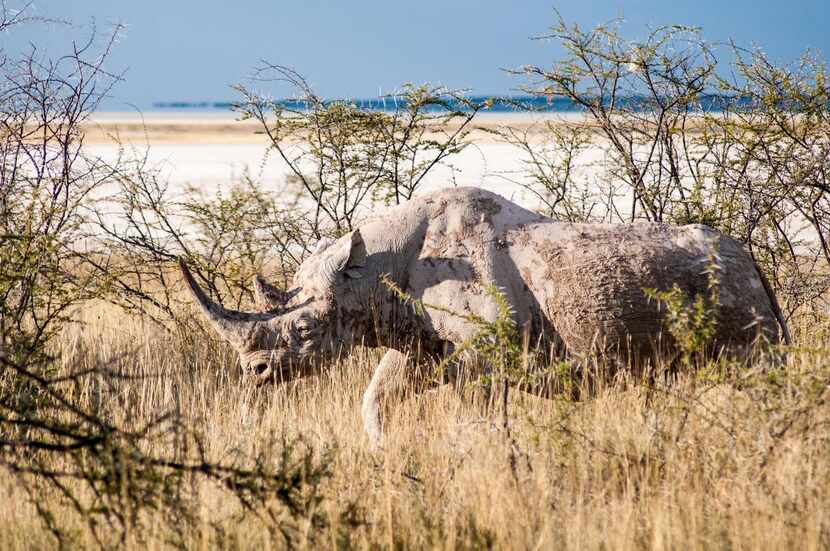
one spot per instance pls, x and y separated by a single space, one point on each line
578 287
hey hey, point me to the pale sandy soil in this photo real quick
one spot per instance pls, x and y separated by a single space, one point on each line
213 151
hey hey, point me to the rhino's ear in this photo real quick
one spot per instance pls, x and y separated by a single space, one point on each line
268 297
348 256
322 245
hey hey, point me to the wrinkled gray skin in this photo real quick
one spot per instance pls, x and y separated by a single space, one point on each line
577 288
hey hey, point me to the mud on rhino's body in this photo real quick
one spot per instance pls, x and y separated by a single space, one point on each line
577 286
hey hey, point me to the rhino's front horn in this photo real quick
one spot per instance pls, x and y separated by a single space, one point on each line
234 326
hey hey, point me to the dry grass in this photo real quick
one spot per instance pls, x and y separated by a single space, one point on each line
702 463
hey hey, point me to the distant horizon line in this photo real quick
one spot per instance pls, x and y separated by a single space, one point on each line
380 103
497 103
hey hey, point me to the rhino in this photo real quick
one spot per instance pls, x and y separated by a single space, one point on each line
574 287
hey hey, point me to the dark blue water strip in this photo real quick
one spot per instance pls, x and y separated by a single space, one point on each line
705 103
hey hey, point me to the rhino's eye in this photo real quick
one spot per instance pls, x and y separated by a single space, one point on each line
304 327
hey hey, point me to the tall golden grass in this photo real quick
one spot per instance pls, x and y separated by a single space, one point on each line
713 460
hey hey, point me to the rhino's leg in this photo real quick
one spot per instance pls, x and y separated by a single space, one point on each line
395 375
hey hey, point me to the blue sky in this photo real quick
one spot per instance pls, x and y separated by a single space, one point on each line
194 50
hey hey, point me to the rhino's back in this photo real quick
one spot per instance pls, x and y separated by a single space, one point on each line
583 282
460 252
448 223
471 215
589 281
456 210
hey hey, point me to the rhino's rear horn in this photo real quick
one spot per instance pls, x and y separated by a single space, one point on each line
232 325
268 297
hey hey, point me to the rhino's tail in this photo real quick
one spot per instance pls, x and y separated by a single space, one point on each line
776 308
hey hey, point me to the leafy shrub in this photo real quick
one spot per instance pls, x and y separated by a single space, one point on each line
66 433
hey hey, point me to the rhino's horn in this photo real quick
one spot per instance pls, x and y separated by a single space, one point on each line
268 297
234 326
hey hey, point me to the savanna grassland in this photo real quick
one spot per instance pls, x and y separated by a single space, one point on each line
718 459
126 422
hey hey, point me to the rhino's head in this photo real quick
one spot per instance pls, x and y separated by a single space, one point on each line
295 329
